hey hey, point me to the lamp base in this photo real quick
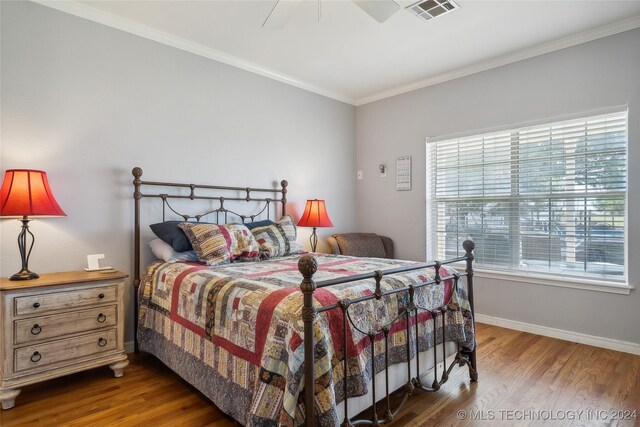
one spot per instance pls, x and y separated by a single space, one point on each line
313 240
24 274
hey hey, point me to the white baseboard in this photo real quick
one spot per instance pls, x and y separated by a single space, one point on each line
128 347
608 343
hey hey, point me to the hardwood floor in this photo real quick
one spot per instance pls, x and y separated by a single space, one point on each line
539 377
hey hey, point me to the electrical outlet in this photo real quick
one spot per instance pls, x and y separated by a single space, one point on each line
359 175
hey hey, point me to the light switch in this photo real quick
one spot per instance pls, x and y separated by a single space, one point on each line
359 175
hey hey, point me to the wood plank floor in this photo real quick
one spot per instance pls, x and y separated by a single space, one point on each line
518 372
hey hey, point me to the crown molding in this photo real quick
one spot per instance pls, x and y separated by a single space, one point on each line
552 46
150 33
113 21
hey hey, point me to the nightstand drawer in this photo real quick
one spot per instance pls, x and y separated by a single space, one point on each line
58 325
37 304
40 355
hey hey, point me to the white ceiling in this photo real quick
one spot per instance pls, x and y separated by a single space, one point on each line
349 56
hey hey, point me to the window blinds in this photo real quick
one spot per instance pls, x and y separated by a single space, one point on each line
545 198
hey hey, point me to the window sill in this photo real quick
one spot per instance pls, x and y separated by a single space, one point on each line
561 282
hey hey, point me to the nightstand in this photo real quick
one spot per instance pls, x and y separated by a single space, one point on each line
59 324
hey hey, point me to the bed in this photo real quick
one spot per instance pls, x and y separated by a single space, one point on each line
254 336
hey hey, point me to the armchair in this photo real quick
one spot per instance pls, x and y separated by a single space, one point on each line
361 245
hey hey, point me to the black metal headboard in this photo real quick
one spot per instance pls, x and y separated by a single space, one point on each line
264 205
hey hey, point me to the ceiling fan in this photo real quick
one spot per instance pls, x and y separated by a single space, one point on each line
380 10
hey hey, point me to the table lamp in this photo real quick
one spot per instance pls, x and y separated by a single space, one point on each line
315 215
26 193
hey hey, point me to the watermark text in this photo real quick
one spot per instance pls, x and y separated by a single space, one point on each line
548 415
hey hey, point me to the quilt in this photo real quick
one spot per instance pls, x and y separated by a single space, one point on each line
244 321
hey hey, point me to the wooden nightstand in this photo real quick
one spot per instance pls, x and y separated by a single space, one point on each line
59 324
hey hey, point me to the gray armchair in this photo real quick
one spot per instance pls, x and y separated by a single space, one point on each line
361 245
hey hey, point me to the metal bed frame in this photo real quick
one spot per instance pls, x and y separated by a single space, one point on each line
307 266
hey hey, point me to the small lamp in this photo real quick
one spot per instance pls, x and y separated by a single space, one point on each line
25 193
315 215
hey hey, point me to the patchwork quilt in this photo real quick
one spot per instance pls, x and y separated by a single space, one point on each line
244 321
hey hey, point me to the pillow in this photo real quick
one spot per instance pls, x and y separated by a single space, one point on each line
162 250
277 239
252 225
220 244
170 233
272 240
289 227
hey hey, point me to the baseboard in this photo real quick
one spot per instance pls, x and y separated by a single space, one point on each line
129 347
608 343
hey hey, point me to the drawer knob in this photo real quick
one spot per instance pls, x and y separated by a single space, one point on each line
101 296
102 342
36 356
101 318
36 329
36 304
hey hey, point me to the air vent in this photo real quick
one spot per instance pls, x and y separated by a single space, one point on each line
431 8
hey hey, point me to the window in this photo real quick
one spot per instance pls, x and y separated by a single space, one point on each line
548 198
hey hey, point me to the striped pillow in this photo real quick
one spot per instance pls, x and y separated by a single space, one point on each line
277 239
220 244
289 227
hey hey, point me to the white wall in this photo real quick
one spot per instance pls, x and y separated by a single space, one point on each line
87 103
602 73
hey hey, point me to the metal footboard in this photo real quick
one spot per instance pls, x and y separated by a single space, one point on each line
308 266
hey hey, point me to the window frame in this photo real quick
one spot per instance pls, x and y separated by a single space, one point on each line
539 277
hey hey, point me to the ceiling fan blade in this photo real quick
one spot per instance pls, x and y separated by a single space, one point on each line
380 10
280 13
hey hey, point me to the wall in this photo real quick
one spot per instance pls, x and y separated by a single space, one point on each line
87 103
591 76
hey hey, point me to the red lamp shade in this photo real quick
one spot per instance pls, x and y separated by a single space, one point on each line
315 215
26 192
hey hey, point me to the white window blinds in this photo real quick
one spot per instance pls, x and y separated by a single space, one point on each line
546 198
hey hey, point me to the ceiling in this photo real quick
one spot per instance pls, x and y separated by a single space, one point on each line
349 56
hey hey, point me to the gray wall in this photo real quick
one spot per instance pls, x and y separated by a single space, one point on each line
602 73
86 103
